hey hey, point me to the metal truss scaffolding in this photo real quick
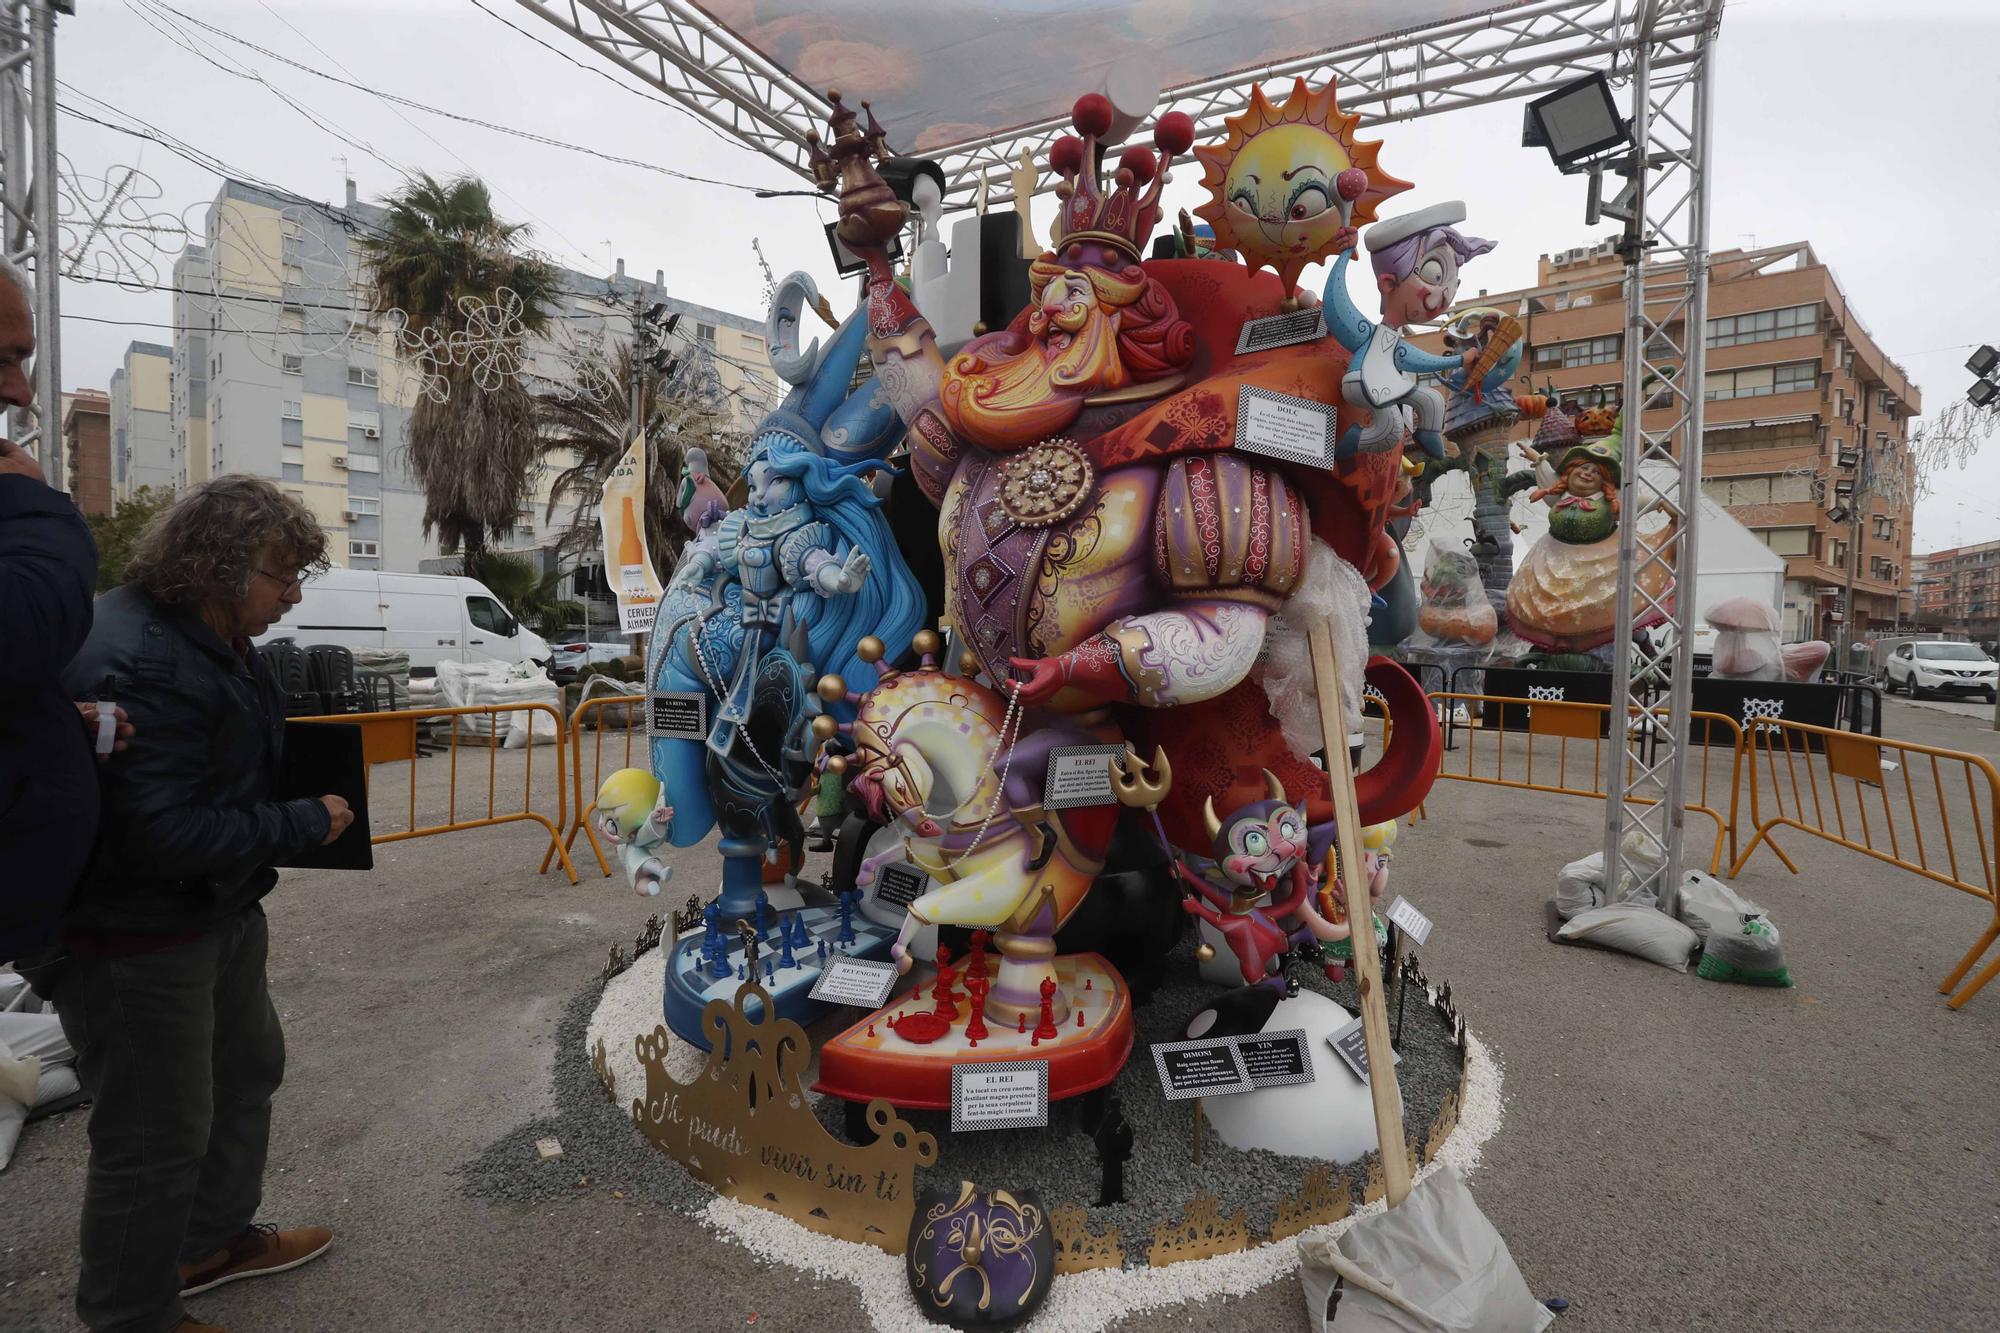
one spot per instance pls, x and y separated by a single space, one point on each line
28 197
1657 49
1666 322
1505 55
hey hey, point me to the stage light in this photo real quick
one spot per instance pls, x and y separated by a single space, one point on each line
656 312
1579 121
1983 392
846 262
1847 458
900 174
1984 361
1838 513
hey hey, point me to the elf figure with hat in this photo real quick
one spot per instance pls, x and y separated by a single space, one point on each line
1416 259
1582 490
1564 596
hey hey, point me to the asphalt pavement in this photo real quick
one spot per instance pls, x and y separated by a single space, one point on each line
1675 1153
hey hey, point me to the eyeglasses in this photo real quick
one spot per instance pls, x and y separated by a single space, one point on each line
289 583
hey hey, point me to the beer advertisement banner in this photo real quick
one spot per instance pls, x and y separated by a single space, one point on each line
627 566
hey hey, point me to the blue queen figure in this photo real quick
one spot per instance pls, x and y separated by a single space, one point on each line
774 595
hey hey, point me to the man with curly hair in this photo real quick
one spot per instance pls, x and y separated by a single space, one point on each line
161 984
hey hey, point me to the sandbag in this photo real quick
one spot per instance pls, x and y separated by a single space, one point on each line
1580 886
1750 956
1634 928
1432 1265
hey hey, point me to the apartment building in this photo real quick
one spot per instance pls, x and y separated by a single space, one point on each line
277 369
143 442
1804 412
86 449
1958 591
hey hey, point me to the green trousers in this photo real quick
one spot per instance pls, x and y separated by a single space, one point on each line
180 1051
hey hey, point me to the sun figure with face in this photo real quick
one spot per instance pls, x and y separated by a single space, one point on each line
1289 179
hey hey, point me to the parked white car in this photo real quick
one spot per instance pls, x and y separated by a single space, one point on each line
1953 668
571 658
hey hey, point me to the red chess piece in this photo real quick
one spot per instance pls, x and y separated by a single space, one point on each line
1046 1029
976 965
947 1008
1020 1023
975 1027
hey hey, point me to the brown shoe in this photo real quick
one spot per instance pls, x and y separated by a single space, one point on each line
257 1251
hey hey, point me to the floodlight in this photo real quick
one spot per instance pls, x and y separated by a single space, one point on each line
1578 121
656 312
1847 458
662 363
1844 488
1983 392
845 261
673 322
1984 361
1838 514
900 174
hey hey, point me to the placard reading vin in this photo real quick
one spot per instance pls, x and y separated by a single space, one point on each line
1276 1059
1080 775
901 884
861 982
1003 1094
1211 1068
677 714
1281 426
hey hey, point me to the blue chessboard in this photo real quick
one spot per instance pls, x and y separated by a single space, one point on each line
693 977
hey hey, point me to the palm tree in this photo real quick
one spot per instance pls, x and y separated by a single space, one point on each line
586 423
526 591
442 262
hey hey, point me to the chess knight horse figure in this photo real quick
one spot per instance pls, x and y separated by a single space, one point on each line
1109 553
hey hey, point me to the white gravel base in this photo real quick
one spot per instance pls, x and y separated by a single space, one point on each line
1079 1302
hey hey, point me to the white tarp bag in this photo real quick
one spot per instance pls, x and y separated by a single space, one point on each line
1708 905
1432 1265
484 684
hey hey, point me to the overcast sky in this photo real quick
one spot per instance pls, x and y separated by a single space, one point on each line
1850 125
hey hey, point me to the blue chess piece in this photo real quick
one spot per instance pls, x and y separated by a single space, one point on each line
820 946
718 955
763 918
785 958
847 900
739 971
770 971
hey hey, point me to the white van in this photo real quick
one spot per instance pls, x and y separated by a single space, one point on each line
432 617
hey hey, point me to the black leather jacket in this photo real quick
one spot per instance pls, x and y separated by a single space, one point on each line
48 781
189 828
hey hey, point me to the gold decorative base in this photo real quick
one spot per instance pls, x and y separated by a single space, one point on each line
1322 1198
600 1060
1202 1233
746 1128
1078 1249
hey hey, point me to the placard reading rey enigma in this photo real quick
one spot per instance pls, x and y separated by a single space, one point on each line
677 714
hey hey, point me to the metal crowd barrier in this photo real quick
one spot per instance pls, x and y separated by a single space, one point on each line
391 737
1862 793
1559 747
585 802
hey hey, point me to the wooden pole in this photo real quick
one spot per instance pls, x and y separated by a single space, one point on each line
1361 918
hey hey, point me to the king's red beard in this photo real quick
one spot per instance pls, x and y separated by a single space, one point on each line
1017 388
